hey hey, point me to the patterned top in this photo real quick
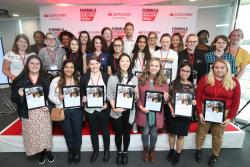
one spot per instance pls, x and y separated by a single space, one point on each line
211 57
16 62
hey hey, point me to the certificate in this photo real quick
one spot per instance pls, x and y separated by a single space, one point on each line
183 104
54 73
153 100
168 74
71 97
214 111
95 96
124 96
34 97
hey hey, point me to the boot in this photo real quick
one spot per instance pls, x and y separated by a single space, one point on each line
77 157
50 156
42 157
106 156
125 159
170 156
145 154
70 157
151 155
212 160
176 159
119 159
198 156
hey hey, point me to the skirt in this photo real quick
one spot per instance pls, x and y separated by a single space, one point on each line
37 131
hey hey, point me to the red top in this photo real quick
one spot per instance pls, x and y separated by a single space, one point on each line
217 92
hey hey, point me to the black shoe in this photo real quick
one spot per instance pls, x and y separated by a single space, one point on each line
50 157
212 160
176 159
94 156
77 157
70 157
42 157
119 159
125 158
170 156
106 156
198 155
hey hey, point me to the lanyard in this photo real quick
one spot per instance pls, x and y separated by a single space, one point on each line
22 58
191 58
141 61
52 56
97 80
163 64
73 58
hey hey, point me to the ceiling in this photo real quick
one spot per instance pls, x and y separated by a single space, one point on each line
30 8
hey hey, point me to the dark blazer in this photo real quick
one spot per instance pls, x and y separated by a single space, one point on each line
199 61
85 80
22 107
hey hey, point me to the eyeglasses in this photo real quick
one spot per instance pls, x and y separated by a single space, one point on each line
50 38
118 46
192 42
185 71
152 37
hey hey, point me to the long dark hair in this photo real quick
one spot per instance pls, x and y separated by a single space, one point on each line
88 45
79 47
177 81
104 45
25 71
62 80
119 74
147 55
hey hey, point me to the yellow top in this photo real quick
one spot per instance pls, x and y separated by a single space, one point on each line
242 58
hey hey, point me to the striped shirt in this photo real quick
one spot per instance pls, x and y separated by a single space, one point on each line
211 58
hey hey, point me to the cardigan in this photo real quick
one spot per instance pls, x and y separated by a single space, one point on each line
218 92
140 115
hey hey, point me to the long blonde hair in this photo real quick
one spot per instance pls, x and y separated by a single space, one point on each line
228 82
160 78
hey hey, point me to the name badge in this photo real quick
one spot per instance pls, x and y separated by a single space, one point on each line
53 67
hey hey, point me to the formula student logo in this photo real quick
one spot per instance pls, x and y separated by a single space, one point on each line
87 14
54 16
118 32
149 14
56 30
181 30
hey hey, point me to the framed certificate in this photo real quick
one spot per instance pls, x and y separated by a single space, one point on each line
54 73
168 74
34 97
183 104
124 96
138 73
153 100
95 96
214 111
71 97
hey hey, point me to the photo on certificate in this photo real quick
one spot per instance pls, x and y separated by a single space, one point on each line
95 96
72 97
125 96
138 73
153 100
214 111
54 73
168 74
183 104
34 97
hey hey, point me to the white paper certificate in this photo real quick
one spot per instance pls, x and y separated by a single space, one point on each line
95 96
214 111
183 104
71 97
34 97
153 100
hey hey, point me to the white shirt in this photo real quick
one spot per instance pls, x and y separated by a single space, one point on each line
139 63
172 60
128 45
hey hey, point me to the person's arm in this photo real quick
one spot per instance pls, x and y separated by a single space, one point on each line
241 71
64 57
53 94
199 92
6 70
84 62
235 101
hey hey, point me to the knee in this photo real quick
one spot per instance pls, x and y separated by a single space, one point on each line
180 137
171 135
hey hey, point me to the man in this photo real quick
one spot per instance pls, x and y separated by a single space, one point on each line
129 42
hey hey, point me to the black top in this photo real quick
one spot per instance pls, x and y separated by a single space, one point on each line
77 59
114 63
22 107
36 48
197 60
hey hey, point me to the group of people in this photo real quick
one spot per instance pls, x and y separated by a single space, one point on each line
207 72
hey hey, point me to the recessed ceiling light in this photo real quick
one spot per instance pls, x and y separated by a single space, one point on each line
15 15
192 0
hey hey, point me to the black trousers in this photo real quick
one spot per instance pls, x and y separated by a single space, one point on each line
72 127
122 129
99 120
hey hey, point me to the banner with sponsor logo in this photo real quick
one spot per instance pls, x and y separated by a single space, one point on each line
160 19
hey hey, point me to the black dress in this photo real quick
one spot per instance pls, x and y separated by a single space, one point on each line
77 59
178 125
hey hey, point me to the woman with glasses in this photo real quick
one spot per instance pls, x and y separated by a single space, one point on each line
152 42
118 48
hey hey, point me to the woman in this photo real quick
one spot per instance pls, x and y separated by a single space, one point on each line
177 127
118 47
64 38
140 54
72 124
121 118
107 35
14 61
98 117
76 56
151 79
99 48
221 43
39 39
85 46
241 55
36 124
218 85
177 42
203 36
52 55
152 42
169 57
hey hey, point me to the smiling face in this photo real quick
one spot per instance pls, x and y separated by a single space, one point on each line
124 63
165 42
141 44
69 69
65 40
220 44
203 37
129 30
50 40
176 41
220 69
74 46
39 38
192 42
34 66
94 66
98 44
152 39
22 44
185 72
154 67
235 37
118 46
84 38
107 35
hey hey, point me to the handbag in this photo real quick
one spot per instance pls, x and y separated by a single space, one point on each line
57 114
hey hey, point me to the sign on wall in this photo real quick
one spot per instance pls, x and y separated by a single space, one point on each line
160 19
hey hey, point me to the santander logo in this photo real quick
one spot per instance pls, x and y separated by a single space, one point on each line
109 14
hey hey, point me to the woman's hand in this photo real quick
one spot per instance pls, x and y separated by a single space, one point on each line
105 106
12 77
118 110
202 118
225 123
143 109
20 92
84 99
172 110
61 97
194 102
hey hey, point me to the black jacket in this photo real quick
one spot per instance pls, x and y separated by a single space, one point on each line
22 107
199 63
